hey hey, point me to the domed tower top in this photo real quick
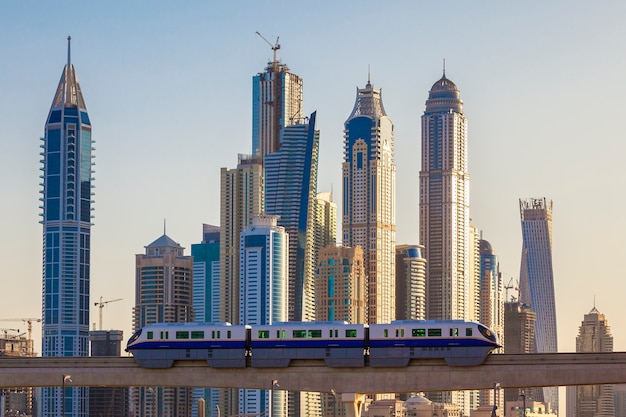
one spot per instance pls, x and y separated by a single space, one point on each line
444 97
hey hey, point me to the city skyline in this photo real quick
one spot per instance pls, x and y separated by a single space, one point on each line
505 165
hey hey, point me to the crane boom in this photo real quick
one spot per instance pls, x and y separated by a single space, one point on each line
274 47
101 305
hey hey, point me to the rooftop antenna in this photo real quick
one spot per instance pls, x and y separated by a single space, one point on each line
69 38
368 75
274 47
444 67
164 226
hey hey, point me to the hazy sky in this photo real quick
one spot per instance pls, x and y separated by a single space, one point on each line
168 90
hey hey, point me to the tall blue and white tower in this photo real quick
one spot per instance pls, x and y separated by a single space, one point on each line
537 278
369 181
66 195
263 297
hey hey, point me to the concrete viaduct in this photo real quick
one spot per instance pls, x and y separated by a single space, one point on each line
510 371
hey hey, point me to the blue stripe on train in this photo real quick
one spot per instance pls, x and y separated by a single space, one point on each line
188 344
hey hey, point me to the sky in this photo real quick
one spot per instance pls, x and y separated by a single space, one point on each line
168 90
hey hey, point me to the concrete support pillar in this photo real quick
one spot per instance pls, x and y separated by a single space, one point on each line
353 403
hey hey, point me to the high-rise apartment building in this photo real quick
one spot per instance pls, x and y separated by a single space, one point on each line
276 103
67 204
340 285
410 282
241 198
369 179
325 221
290 190
594 335
206 305
444 216
263 298
107 401
444 202
163 294
537 280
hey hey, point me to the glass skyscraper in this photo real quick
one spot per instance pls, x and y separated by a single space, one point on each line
290 190
537 280
66 195
369 217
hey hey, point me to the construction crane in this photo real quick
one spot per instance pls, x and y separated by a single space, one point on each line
274 47
29 322
101 305
508 287
6 332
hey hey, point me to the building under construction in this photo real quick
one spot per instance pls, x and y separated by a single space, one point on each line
16 401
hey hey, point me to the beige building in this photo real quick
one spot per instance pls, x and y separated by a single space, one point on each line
340 284
528 409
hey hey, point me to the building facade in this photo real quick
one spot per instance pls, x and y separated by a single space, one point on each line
206 305
325 221
163 294
519 337
290 190
107 401
369 219
444 202
410 282
67 205
276 103
537 279
594 335
241 198
263 298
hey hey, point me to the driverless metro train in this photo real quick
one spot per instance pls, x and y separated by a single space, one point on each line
339 344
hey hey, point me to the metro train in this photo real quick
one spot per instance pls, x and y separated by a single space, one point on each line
338 344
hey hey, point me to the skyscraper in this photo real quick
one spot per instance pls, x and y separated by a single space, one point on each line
536 278
519 337
276 103
410 282
66 218
594 335
369 179
263 298
444 202
290 190
241 198
325 221
103 401
163 294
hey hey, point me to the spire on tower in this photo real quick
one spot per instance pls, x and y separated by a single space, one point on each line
69 38
444 67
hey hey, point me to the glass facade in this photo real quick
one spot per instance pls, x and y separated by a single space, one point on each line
67 198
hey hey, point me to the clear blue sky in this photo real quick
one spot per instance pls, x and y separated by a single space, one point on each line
168 89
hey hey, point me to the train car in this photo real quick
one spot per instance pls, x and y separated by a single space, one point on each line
339 344
222 345
459 342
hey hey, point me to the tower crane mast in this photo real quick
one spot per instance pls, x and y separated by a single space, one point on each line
100 306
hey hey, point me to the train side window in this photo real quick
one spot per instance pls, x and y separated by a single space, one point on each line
401 332
434 332
228 334
351 333
197 334
330 332
336 333
282 334
219 334
299 334
386 333
418 332
278 334
264 334
454 331
149 335
396 332
315 334
212 334
468 331
182 335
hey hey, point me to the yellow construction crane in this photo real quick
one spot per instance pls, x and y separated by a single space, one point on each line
101 305
508 287
274 47
29 322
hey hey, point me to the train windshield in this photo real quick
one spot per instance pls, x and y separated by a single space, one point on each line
487 333
134 337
